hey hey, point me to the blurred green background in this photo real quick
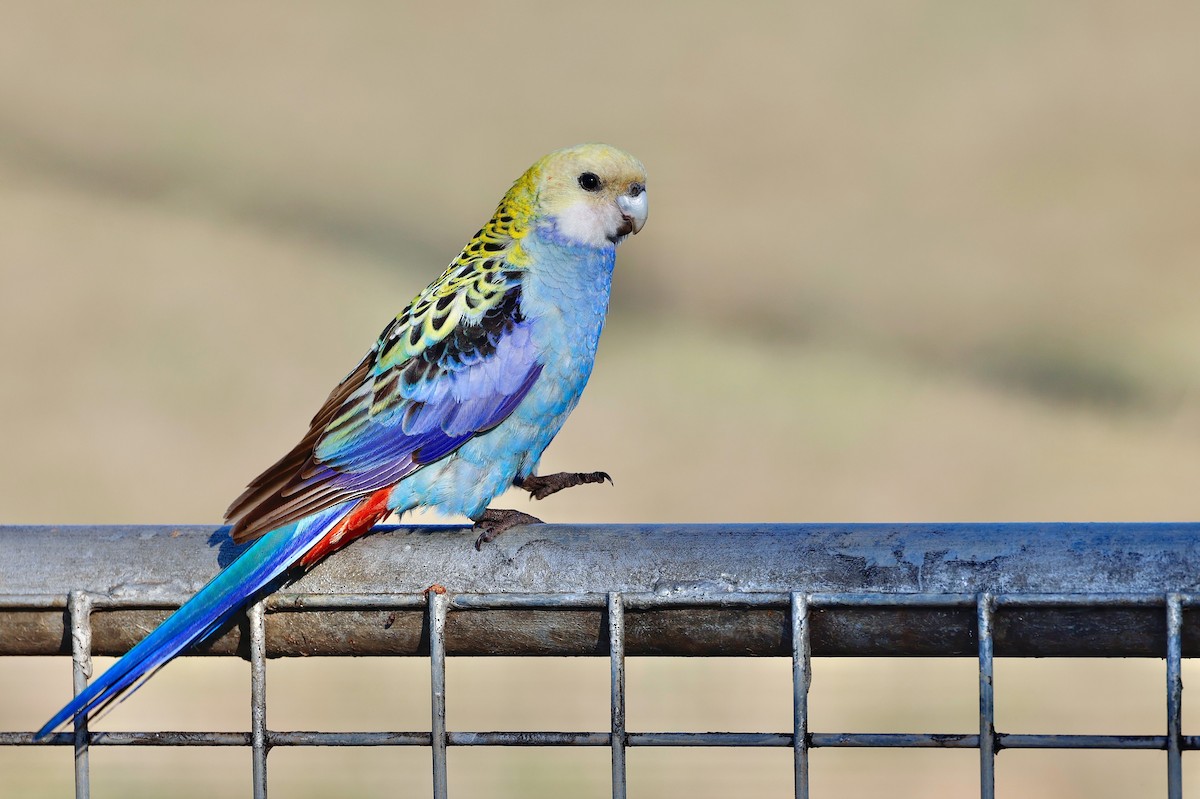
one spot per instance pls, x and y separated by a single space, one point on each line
905 261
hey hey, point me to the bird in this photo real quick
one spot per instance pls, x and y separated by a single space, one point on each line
453 405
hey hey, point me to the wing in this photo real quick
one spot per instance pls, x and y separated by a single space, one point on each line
453 365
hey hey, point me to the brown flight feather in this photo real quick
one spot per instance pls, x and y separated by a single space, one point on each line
272 499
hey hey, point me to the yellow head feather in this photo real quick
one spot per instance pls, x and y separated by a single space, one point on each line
554 191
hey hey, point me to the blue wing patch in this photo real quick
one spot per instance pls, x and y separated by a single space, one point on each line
387 419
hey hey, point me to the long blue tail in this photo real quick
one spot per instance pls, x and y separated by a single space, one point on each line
211 607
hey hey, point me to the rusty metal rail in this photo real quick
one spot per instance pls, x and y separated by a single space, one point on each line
788 590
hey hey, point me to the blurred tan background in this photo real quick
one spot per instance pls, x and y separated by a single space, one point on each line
905 261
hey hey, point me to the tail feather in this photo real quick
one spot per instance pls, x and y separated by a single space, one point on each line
204 613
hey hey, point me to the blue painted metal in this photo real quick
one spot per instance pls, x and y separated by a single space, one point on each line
985 610
1174 619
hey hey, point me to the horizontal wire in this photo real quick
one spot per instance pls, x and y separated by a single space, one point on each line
285 602
817 740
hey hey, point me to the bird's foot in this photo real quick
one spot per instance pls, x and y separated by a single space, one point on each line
545 485
495 521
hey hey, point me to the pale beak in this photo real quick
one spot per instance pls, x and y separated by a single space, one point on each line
634 209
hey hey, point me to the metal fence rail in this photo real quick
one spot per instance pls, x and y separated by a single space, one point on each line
796 590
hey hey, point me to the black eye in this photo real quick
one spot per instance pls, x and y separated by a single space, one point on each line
588 181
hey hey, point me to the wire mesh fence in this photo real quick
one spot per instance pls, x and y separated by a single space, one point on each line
753 590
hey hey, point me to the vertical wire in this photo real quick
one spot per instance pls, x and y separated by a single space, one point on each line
985 608
79 606
616 649
801 679
1174 697
437 689
258 697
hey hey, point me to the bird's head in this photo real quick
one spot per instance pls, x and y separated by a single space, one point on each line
592 194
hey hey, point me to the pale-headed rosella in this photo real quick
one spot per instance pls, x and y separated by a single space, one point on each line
454 403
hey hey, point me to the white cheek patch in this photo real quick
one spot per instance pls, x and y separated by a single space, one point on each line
584 223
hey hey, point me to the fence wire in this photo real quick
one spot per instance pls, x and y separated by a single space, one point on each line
797 608
800 739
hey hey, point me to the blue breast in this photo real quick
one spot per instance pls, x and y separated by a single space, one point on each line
564 298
